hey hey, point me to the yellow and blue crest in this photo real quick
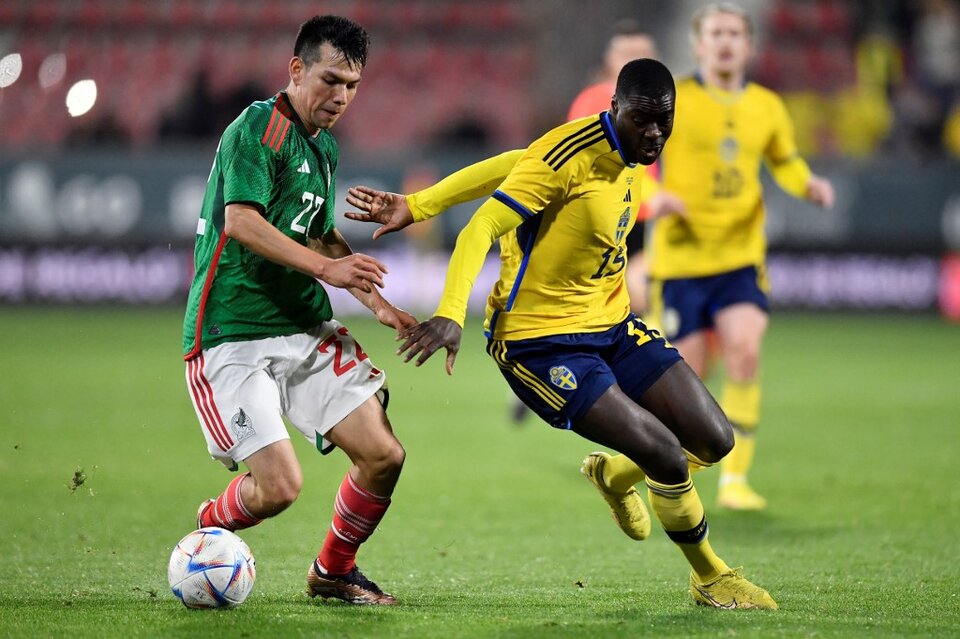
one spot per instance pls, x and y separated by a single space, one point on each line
622 224
563 377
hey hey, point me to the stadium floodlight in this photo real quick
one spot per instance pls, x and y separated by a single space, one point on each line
52 70
10 67
81 97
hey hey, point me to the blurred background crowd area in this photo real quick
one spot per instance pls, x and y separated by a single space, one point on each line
111 111
859 77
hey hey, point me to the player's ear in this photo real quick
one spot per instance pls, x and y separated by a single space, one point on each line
297 69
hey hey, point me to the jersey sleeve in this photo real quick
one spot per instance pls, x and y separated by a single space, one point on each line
469 183
248 165
492 220
786 166
537 179
525 193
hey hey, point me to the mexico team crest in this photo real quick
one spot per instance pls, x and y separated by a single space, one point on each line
563 377
242 426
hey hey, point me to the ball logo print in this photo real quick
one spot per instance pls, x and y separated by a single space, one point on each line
211 568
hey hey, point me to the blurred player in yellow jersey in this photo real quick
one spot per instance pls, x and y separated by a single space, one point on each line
707 250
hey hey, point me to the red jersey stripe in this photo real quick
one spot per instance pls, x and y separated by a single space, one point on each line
275 118
280 135
198 331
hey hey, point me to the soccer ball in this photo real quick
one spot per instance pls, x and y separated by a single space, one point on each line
211 568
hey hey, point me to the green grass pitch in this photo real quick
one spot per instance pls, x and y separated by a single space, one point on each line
493 532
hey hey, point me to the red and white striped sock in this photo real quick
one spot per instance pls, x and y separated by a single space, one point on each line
228 511
356 514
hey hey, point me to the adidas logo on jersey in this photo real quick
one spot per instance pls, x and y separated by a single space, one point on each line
304 168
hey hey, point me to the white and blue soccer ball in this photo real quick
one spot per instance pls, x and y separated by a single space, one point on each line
211 568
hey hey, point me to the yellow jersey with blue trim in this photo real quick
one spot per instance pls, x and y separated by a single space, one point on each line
712 163
562 269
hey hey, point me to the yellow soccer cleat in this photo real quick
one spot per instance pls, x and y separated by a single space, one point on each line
730 590
739 496
627 508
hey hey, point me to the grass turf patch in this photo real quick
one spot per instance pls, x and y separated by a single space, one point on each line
492 532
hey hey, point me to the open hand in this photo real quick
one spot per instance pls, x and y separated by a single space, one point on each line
428 337
382 207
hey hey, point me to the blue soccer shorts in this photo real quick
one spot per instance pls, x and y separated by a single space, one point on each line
560 377
686 305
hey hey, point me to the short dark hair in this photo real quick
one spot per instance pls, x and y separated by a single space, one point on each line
345 35
645 76
628 27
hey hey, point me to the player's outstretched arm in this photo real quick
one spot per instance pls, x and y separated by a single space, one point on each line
244 224
492 220
397 211
390 210
334 246
425 339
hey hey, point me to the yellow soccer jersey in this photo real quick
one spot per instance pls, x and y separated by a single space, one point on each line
712 162
574 198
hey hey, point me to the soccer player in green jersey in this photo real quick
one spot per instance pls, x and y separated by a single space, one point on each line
558 320
259 338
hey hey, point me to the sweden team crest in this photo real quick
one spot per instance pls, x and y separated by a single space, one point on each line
622 224
563 377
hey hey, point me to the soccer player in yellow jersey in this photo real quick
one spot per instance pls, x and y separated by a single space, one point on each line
707 250
558 320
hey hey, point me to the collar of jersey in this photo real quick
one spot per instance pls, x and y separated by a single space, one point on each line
721 95
607 125
286 110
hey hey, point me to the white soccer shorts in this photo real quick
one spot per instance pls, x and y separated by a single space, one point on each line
242 390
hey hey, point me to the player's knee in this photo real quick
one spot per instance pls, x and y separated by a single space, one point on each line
386 465
393 460
744 363
717 443
714 438
278 495
669 466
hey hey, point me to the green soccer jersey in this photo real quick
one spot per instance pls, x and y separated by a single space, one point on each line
268 160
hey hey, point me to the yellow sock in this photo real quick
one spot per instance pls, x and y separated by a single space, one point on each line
621 474
736 465
694 463
741 403
680 511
